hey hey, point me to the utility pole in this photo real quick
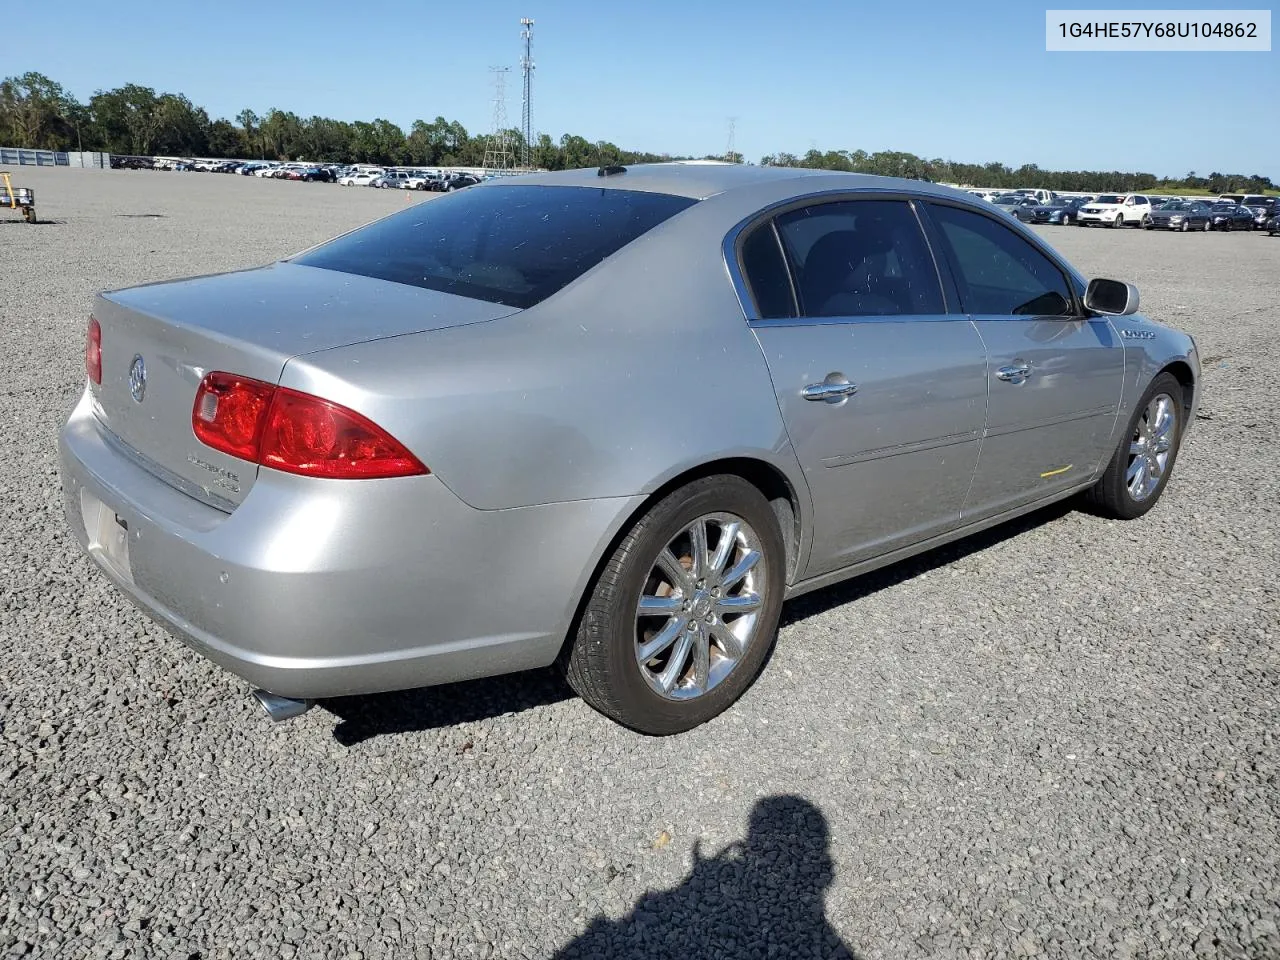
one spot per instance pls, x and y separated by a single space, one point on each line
497 154
526 116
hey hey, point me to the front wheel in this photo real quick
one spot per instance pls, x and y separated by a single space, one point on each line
1207 226
1118 221
1186 225
1140 468
682 616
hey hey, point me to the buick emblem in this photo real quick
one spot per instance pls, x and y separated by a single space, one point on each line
138 379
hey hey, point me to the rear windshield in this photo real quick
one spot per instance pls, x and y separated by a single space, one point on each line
509 244
1109 198
1257 201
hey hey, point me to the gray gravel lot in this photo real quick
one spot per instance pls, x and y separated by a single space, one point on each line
1058 740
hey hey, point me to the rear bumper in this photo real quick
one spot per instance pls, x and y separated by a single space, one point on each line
315 588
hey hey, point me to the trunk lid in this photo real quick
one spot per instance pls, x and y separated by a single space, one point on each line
159 341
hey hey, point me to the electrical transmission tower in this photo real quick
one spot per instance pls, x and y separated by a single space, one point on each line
729 153
497 153
526 114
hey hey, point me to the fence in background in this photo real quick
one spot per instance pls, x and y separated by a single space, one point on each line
16 156
87 159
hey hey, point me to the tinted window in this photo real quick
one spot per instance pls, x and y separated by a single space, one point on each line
1110 198
766 274
998 271
515 245
860 258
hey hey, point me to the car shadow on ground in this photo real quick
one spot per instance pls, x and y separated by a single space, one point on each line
758 897
429 708
828 598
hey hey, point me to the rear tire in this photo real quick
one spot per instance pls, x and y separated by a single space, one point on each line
603 661
1123 492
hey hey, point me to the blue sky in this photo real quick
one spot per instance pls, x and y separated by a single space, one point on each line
967 82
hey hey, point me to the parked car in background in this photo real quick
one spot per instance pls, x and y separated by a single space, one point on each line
460 180
1183 215
1062 212
1038 195
392 178
383 428
422 180
1115 210
1231 197
1011 202
1261 208
359 179
1230 216
1273 222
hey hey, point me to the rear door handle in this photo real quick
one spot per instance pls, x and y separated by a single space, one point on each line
1015 372
831 391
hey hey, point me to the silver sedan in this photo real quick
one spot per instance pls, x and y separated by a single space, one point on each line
608 420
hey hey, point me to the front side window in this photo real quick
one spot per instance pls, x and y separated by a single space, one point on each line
515 245
999 272
860 258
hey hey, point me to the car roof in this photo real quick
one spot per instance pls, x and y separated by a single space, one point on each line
700 181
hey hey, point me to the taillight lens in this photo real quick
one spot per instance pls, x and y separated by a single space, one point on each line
229 412
295 432
93 351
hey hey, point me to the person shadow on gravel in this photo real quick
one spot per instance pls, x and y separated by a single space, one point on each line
761 897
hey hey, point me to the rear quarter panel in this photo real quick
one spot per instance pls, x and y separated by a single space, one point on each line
642 369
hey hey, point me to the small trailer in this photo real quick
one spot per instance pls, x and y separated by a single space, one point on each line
17 198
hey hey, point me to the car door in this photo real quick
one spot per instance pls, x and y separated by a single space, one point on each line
1054 374
881 389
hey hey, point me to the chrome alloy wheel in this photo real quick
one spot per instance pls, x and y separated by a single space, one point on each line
1151 447
700 606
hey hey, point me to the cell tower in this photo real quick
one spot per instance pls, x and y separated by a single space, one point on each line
526 113
497 153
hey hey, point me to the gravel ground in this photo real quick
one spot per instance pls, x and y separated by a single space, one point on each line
1059 739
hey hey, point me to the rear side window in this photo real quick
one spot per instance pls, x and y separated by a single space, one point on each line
515 245
860 258
766 274
999 272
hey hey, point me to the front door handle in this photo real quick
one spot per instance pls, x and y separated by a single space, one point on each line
831 390
1015 372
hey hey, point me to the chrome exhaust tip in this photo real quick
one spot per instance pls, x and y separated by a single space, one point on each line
281 708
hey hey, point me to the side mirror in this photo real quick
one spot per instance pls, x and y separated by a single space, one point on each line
1111 297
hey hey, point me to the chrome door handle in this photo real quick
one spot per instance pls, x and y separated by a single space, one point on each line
831 391
1014 372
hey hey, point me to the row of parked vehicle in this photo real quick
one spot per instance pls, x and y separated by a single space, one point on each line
349 175
361 175
1231 211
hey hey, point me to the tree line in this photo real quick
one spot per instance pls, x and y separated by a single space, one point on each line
133 120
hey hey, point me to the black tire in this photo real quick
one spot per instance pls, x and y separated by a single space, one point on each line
1186 226
1208 225
1226 226
600 661
1146 223
1118 222
1110 496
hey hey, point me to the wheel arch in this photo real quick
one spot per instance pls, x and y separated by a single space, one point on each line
1182 372
768 478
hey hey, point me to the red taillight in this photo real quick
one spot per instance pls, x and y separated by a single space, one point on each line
228 413
295 432
93 351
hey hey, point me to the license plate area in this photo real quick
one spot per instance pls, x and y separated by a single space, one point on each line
108 534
